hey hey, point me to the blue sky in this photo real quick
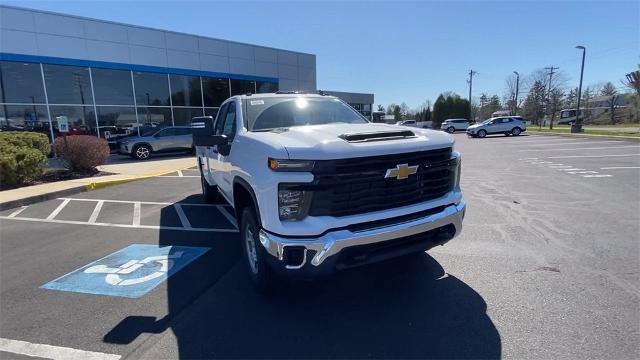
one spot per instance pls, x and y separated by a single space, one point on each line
406 51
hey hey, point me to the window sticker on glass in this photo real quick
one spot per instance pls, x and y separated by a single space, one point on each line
257 102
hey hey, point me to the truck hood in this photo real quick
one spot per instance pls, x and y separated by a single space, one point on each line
323 142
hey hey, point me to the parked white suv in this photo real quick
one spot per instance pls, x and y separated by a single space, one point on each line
316 187
451 125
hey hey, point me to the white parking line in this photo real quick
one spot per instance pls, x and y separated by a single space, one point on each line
575 149
58 209
589 156
50 351
582 172
572 169
137 208
619 167
183 217
597 176
17 212
226 214
180 174
153 227
96 211
574 143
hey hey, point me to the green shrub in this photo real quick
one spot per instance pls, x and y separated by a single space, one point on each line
82 153
33 140
19 163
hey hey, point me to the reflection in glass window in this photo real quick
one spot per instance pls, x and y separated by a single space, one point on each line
185 90
112 87
116 121
266 87
241 87
21 83
216 90
82 120
151 88
154 116
24 118
67 84
183 116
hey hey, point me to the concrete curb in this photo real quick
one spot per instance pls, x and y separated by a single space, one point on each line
592 136
90 186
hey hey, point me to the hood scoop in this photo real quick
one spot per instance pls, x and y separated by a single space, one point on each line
377 136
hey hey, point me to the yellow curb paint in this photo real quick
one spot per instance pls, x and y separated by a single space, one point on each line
103 184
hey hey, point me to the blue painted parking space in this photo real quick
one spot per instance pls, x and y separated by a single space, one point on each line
130 272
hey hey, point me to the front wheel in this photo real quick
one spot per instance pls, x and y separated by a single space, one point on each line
516 131
482 133
141 152
451 129
254 254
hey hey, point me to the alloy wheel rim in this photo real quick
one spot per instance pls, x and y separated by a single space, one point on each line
142 152
252 256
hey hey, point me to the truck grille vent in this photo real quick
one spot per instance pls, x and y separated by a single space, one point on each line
354 186
377 136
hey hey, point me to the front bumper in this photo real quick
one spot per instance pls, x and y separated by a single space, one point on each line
321 254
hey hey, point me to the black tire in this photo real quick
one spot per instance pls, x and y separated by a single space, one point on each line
451 129
482 133
507 134
516 131
141 152
209 193
254 254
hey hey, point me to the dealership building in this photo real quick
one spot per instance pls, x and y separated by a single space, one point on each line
109 78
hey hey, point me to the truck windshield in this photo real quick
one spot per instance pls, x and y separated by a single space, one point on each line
264 114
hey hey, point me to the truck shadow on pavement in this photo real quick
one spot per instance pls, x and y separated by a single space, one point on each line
403 308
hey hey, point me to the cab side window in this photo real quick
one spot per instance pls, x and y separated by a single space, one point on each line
220 119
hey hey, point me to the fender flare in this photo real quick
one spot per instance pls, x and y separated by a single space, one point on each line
245 184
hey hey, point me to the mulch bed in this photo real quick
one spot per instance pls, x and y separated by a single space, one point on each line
57 175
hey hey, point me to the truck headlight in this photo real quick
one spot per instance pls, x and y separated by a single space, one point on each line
293 204
290 165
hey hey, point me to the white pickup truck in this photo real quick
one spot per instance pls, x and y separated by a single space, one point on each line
316 187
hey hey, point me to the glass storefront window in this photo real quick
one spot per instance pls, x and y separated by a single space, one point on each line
211 112
185 90
183 116
241 87
154 116
151 88
112 87
67 84
216 90
116 121
82 120
266 87
21 83
24 118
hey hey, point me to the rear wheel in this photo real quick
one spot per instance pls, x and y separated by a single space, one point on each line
209 193
451 129
482 133
516 131
254 254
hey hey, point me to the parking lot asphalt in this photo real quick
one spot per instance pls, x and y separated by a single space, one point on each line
547 266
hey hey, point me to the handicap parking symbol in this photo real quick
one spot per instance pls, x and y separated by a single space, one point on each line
129 272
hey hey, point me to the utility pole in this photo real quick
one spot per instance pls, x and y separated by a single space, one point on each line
551 69
470 81
515 111
577 126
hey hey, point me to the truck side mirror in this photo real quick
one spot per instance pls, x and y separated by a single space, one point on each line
202 131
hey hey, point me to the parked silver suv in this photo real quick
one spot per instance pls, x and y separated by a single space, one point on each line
157 140
507 125
451 125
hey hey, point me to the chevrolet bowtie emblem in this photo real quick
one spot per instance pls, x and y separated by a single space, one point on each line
401 171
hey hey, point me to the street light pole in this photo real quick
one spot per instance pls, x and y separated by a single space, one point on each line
576 127
515 111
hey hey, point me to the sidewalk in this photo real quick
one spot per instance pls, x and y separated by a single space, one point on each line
124 171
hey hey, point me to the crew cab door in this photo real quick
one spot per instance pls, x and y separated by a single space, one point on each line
219 163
